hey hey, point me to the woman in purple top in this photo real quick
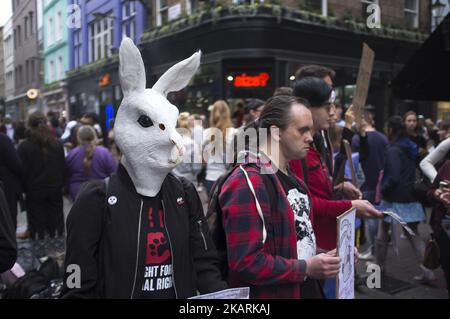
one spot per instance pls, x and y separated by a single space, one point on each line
88 161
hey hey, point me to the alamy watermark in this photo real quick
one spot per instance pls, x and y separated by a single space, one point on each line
374 18
73 16
374 279
74 278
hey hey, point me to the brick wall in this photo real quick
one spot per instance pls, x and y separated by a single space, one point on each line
392 13
424 16
341 8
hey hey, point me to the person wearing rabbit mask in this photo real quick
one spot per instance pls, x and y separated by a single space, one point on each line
142 233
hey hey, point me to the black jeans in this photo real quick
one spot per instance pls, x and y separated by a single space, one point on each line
443 242
45 213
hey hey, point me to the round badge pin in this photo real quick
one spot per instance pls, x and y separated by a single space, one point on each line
180 200
112 200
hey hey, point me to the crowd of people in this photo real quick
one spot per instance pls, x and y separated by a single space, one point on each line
279 229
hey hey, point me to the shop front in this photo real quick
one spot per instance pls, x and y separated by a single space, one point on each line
250 60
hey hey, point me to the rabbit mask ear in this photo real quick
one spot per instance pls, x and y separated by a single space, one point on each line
178 76
131 68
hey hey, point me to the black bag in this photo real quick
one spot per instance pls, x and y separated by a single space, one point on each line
431 258
215 225
420 190
312 289
214 218
34 282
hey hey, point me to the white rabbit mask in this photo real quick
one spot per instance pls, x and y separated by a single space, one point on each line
145 122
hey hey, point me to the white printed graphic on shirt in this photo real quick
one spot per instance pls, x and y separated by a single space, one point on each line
306 240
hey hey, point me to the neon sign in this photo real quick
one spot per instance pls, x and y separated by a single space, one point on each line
245 80
104 80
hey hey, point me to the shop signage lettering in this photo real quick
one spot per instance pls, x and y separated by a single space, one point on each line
245 80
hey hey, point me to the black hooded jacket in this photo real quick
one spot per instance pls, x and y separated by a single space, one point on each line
399 171
8 246
103 239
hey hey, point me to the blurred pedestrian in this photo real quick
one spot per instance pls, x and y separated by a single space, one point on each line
88 161
371 145
92 119
282 90
20 132
112 145
191 165
397 191
239 114
444 130
44 168
218 140
412 130
8 245
8 127
434 160
54 123
440 213
254 108
11 175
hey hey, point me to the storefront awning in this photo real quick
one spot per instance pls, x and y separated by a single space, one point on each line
427 75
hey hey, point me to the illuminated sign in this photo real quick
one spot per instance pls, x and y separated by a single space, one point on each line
104 80
248 81
32 94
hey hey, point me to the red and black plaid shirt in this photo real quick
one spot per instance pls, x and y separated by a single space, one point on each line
272 270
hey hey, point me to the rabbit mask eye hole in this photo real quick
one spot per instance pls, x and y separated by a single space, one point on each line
145 121
162 127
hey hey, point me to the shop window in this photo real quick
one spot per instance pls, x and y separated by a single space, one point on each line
191 6
31 23
412 13
51 73
50 31
162 12
317 6
59 26
129 19
60 68
26 27
100 38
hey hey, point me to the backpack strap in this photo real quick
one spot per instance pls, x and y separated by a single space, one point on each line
101 244
258 206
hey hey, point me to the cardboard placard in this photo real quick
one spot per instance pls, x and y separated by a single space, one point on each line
345 248
232 293
363 81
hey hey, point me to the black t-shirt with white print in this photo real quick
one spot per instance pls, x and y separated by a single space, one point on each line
300 204
154 277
